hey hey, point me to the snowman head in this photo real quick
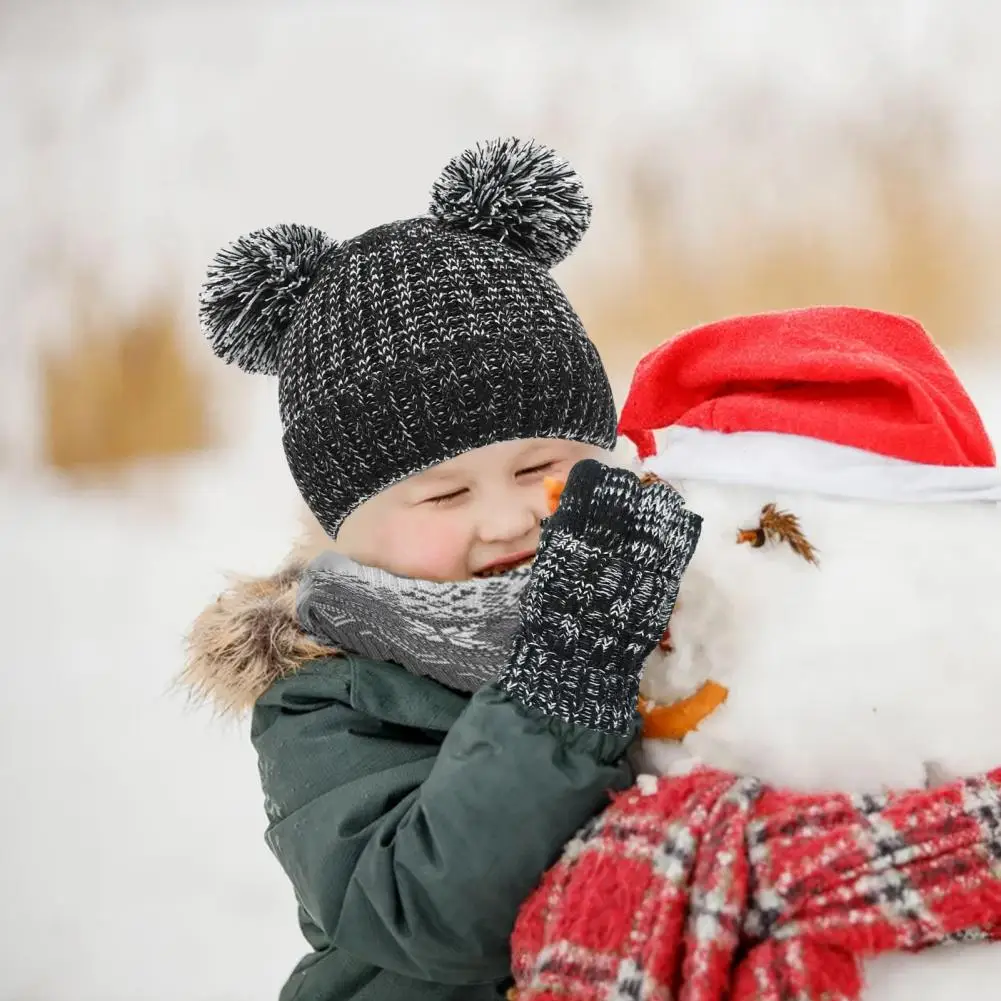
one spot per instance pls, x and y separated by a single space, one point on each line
844 586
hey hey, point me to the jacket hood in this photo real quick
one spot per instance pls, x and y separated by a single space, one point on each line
250 637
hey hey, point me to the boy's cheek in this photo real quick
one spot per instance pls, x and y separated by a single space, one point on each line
427 545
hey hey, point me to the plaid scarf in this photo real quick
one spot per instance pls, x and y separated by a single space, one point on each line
712 887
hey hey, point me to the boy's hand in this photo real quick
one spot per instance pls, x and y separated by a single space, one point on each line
603 587
610 509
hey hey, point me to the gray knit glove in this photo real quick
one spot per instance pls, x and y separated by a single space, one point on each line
602 590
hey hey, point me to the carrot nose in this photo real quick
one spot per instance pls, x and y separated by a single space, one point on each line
554 490
674 721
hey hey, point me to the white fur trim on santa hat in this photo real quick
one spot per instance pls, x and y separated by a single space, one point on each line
790 462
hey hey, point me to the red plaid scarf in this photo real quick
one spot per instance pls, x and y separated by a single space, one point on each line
711 887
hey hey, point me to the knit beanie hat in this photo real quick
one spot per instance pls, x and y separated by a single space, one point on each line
420 339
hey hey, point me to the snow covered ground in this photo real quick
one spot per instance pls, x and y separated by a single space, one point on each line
132 863
131 853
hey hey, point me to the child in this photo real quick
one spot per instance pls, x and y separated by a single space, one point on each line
431 374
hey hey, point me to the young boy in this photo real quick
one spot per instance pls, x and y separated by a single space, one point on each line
431 374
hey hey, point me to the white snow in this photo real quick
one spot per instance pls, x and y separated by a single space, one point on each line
139 137
132 862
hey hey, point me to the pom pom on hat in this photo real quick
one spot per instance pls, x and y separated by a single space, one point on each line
253 288
517 192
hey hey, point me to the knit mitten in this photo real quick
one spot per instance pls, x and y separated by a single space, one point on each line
601 593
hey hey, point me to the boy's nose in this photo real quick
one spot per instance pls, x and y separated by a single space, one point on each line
514 523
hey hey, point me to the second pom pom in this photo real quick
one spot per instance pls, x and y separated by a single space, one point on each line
518 192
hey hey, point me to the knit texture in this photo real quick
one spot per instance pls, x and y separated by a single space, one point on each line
457 632
424 343
420 339
713 888
602 590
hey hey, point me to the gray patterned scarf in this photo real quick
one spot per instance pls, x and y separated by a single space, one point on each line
457 632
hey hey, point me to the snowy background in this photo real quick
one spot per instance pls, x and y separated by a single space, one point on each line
136 139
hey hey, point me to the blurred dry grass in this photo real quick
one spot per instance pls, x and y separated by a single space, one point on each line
122 389
125 388
921 251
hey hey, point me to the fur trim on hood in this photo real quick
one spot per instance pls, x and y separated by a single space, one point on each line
249 638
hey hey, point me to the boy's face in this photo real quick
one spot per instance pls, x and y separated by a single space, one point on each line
473 515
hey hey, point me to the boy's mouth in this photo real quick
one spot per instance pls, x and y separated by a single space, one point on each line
505 565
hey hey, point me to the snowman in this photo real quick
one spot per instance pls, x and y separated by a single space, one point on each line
826 825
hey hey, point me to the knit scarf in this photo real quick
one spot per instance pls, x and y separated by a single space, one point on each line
712 887
457 632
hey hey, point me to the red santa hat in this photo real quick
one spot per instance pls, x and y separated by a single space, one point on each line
835 400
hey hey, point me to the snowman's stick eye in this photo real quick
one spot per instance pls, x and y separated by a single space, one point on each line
779 526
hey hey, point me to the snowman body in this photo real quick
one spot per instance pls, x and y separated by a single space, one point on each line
877 667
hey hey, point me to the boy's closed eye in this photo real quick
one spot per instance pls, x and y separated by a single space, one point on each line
529 471
541 467
445 498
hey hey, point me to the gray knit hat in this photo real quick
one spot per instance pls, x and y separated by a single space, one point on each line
420 339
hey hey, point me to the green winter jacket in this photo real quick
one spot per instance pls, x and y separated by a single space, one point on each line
413 821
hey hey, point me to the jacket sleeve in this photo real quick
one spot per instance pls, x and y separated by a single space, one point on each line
413 854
